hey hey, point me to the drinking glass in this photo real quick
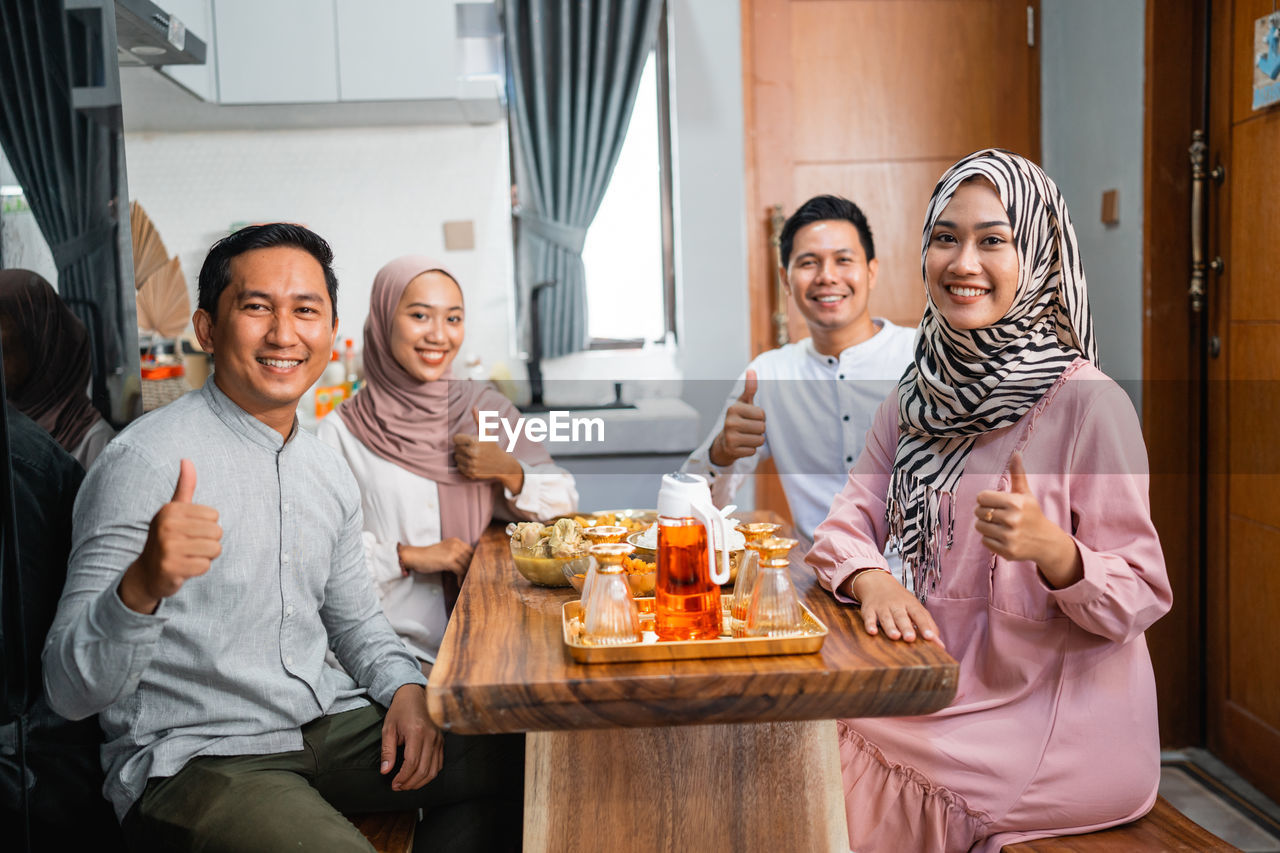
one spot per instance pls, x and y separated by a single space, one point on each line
610 616
598 535
753 532
774 610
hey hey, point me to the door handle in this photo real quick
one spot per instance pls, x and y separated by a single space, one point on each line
1198 151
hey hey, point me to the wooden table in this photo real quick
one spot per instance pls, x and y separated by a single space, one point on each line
735 754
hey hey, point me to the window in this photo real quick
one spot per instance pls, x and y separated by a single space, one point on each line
628 253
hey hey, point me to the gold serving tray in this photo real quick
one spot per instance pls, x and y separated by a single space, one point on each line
651 648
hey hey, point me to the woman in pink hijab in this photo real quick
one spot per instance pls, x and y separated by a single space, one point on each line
429 487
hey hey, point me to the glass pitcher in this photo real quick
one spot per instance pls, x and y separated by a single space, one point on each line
693 560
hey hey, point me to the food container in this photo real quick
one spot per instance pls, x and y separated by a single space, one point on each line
547 571
641 583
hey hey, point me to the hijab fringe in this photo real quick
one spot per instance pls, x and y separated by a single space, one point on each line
921 559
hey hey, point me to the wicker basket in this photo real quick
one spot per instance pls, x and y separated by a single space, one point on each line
162 383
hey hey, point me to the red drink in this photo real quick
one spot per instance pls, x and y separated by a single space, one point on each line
687 603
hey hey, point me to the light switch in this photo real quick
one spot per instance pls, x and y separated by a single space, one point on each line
1111 207
459 235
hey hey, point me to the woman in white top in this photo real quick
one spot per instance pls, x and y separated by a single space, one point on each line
429 486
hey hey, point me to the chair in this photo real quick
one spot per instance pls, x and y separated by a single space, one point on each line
1163 829
388 832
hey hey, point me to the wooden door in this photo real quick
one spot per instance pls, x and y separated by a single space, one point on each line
1243 496
873 100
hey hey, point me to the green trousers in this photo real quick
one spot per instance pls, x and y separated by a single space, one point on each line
294 800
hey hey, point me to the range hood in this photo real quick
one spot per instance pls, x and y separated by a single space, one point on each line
148 35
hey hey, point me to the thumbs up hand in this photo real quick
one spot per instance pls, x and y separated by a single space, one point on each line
183 541
486 460
1013 526
743 431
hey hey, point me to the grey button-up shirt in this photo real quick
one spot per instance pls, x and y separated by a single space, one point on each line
234 663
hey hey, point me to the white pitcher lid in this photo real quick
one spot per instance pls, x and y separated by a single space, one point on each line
681 492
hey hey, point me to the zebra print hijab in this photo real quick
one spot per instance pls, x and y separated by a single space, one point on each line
966 383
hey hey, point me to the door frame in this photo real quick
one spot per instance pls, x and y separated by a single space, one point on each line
1174 356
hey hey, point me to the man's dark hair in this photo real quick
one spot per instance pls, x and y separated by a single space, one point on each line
215 274
821 208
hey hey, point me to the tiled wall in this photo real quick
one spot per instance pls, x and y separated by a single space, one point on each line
374 193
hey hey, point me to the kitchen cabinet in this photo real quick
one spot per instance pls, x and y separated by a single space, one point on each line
197 17
276 52
396 50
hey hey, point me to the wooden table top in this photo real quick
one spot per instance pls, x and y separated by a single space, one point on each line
503 667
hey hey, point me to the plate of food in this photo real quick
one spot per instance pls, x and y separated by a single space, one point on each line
634 520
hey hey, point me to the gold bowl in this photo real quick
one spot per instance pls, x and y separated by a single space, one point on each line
641 583
547 571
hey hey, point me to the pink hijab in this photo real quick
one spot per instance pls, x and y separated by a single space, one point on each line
412 423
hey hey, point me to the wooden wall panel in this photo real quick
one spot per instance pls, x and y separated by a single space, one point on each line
887 70
894 195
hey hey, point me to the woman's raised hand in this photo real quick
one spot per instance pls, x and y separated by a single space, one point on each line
486 460
1013 526
887 606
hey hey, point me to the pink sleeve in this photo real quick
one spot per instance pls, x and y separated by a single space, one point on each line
1125 587
852 536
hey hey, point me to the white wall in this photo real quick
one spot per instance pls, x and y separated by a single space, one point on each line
711 232
1092 78
374 193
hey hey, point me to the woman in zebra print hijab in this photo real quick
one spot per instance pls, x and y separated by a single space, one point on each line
1041 576
982 359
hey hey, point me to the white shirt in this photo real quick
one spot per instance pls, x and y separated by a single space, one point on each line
401 506
94 440
818 409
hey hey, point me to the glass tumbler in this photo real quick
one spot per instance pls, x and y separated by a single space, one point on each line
598 535
610 616
774 610
753 532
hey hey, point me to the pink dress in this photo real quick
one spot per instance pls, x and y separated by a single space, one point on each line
1053 729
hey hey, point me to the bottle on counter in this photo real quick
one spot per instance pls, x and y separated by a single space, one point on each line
351 374
331 389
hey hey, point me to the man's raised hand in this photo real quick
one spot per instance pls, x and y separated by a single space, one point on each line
184 539
743 432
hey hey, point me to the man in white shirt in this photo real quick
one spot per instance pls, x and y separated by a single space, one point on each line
816 396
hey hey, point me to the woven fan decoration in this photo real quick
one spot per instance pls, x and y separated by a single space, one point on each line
149 253
163 304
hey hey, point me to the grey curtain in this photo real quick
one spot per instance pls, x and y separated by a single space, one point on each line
573 70
67 161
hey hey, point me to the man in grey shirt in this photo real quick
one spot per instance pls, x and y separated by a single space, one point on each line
216 557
